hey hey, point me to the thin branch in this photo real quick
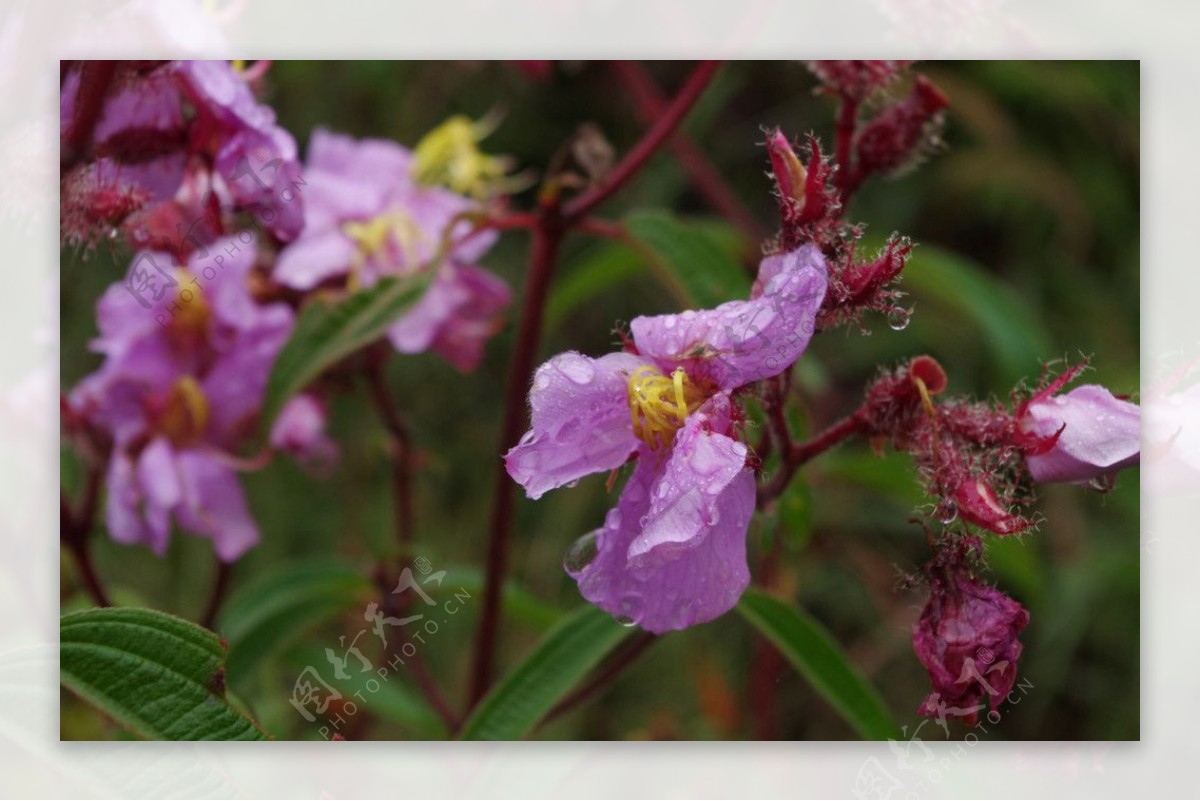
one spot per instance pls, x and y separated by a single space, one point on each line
95 78
216 597
799 453
622 659
847 177
401 453
651 104
664 126
547 236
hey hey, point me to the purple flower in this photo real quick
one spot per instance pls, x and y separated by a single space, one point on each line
967 640
187 354
1085 435
155 121
673 552
366 217
300 432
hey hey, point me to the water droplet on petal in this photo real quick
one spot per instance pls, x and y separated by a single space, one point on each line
669 321
542 381
1102 483
581 553
898 319
577 368
946 512
629 609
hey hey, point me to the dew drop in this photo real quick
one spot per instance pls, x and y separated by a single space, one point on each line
669 321
542 381
946 512
577 368
629 610
581 553
898 318
112 233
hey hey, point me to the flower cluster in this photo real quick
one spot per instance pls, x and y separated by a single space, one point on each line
165 152
173 154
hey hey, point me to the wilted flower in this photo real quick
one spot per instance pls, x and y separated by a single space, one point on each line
187 356
1085 435
673 551
367 217
299 431
967 640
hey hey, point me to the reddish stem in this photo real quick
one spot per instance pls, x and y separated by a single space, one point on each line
797 453
392 419
846 178
662 129
553 222
95 78
651 104
626 656
74 527
402 472
217 595
547 236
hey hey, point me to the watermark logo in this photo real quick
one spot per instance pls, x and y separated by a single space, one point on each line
320 700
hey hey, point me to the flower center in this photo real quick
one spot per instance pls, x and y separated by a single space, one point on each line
393 233
660 404
189 319
450 156
185 412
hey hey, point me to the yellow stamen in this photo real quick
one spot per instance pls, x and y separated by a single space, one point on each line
393 228
190 314
659 406
186 412
450 156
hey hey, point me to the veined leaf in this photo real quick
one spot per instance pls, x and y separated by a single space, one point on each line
560 660
160 676
818 658
331 330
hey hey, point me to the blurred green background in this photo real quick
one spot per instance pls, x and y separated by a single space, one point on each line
1027 225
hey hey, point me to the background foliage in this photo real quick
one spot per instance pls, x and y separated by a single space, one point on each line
1027 225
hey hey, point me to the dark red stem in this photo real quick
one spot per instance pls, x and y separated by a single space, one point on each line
662 129
547 236
397 428
847 178
75 526
651 104
95 78
553 222
797 453
216 597
623 658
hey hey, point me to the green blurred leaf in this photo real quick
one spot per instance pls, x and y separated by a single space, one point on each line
282 603
818 658
160 676
688 259
518 603
330 330
603 268
563 657
1009 326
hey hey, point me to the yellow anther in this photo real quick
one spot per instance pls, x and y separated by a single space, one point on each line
190 312
185 413
659 405
449 156
375 237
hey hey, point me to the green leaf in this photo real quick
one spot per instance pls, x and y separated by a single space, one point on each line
564 656
603 268
331 330
689 259
1008 325
160 676
271 611
818 658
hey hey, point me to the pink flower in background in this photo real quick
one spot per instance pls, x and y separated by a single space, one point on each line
366 217
299 431
187 356
1085 435
966 639
160 125
673 552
